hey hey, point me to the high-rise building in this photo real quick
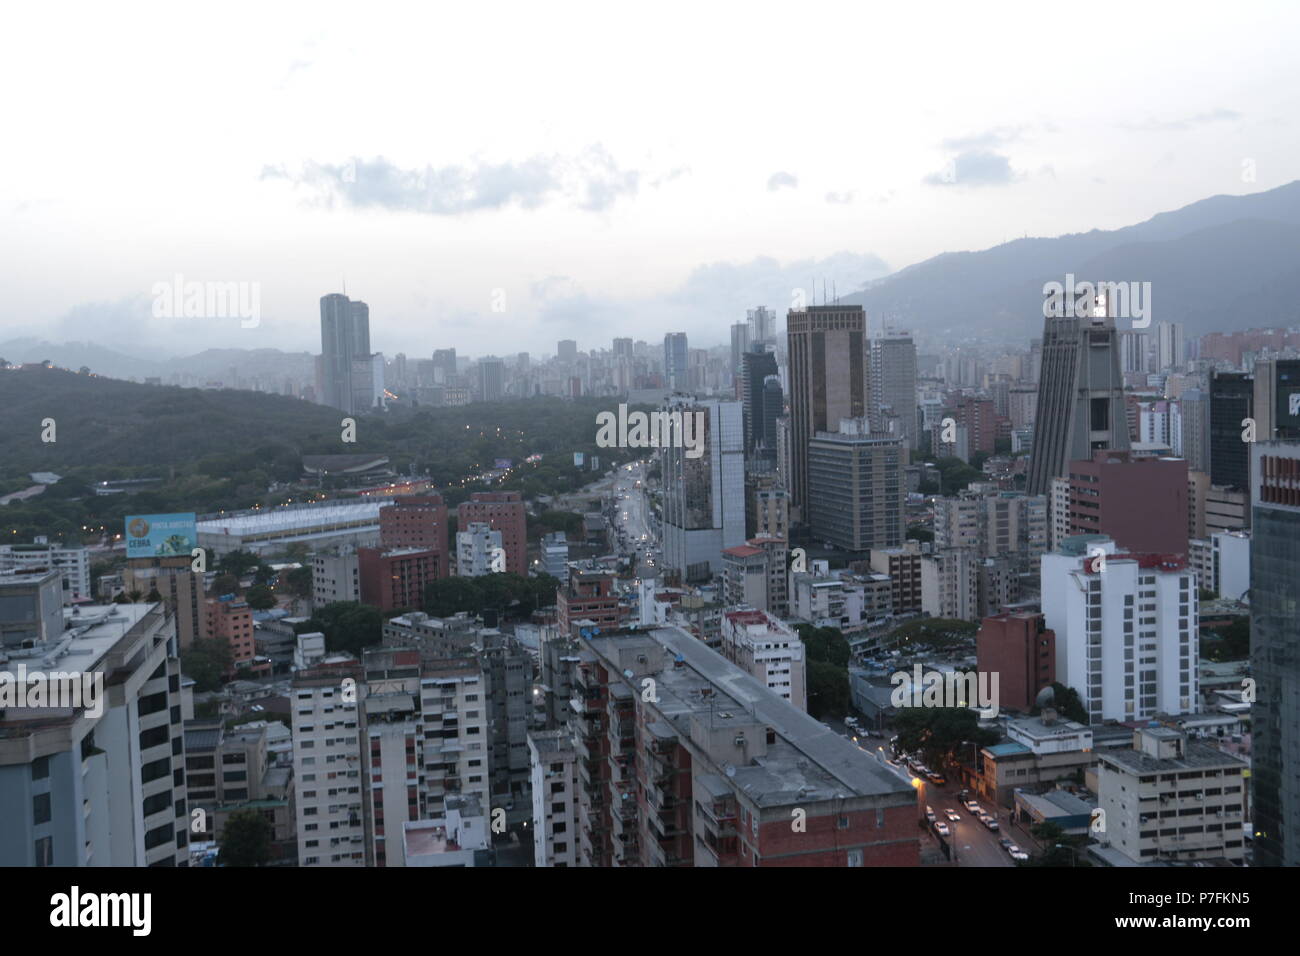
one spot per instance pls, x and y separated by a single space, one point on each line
566 351
100 782
587 595
502 511
739 346
703 494
1126 628
1232 401
1194 422
1139 502
1135 349
893 384
345 341
676 367
444 366
554 798
181 588
856 491
762 326
1275 663
475 545
1277 399
828 381
759 420
1004 524
491 384
395 579
1080 397
1170 351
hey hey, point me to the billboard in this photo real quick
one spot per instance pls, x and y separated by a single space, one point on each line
160 536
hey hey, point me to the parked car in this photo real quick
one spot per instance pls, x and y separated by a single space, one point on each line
929 814
941 828
989 821
973 808
952 814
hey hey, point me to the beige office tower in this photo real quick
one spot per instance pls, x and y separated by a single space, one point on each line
828 382
181 588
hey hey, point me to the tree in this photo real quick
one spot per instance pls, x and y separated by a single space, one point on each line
238 563
264 574
246 840
260 598
1067 703
938 733
828 690
299 582
225 584
826 644
206 661
347 625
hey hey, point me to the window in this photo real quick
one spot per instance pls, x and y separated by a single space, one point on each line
45 851
41 768
41 808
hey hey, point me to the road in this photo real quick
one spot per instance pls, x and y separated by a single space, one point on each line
632 521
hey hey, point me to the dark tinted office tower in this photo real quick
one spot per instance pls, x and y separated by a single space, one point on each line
756 365
344 337
773 408
1080 397
828 380
1232 400
676 372
1275 652
1277 399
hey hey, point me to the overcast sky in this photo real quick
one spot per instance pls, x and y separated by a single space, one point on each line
594 170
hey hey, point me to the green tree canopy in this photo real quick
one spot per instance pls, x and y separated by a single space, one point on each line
246 840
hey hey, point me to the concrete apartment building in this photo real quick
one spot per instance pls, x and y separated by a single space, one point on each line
1171 799
768 650
856 491
711 768
395 580
230 621
72 563
588 595
554 781
181 588
79 788
1126 628
416 521
327 765
503 511
476 546
1140 502
903 565
996 525
1040 752
335 577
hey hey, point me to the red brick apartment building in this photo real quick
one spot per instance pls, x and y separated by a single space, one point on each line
1021 651
230 620
587 596
502 511
694 776
416 521
395 580
1139 502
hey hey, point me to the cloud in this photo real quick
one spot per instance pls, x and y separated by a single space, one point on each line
998 136
974 168
781 181
591 181
841 199
1153 125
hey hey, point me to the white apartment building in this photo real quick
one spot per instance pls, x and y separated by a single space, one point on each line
1126 628
768 650
453 711
474 549
327 764
950 584
1231 563
98 785
555 798
1172 799
72 563
1058 496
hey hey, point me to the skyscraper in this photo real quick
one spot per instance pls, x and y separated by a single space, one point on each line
893 385
704 496
1080 396
739 346
344 338
756 365
566 350
491 379
1194 419
856 492
1274 641
1170 349
762 326
828 380
676 369
1277 399
1232 401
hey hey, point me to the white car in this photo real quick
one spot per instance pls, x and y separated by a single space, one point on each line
952 814
941 828
929 814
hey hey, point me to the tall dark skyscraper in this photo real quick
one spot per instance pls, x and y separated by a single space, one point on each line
756 365
676 372
1232 401
1080 397
1277 399
344 339
828 380
1275 652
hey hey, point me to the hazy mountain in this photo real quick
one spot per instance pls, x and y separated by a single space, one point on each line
271 366
1222 263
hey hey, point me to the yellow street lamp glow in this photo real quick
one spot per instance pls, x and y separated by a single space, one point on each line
916 782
